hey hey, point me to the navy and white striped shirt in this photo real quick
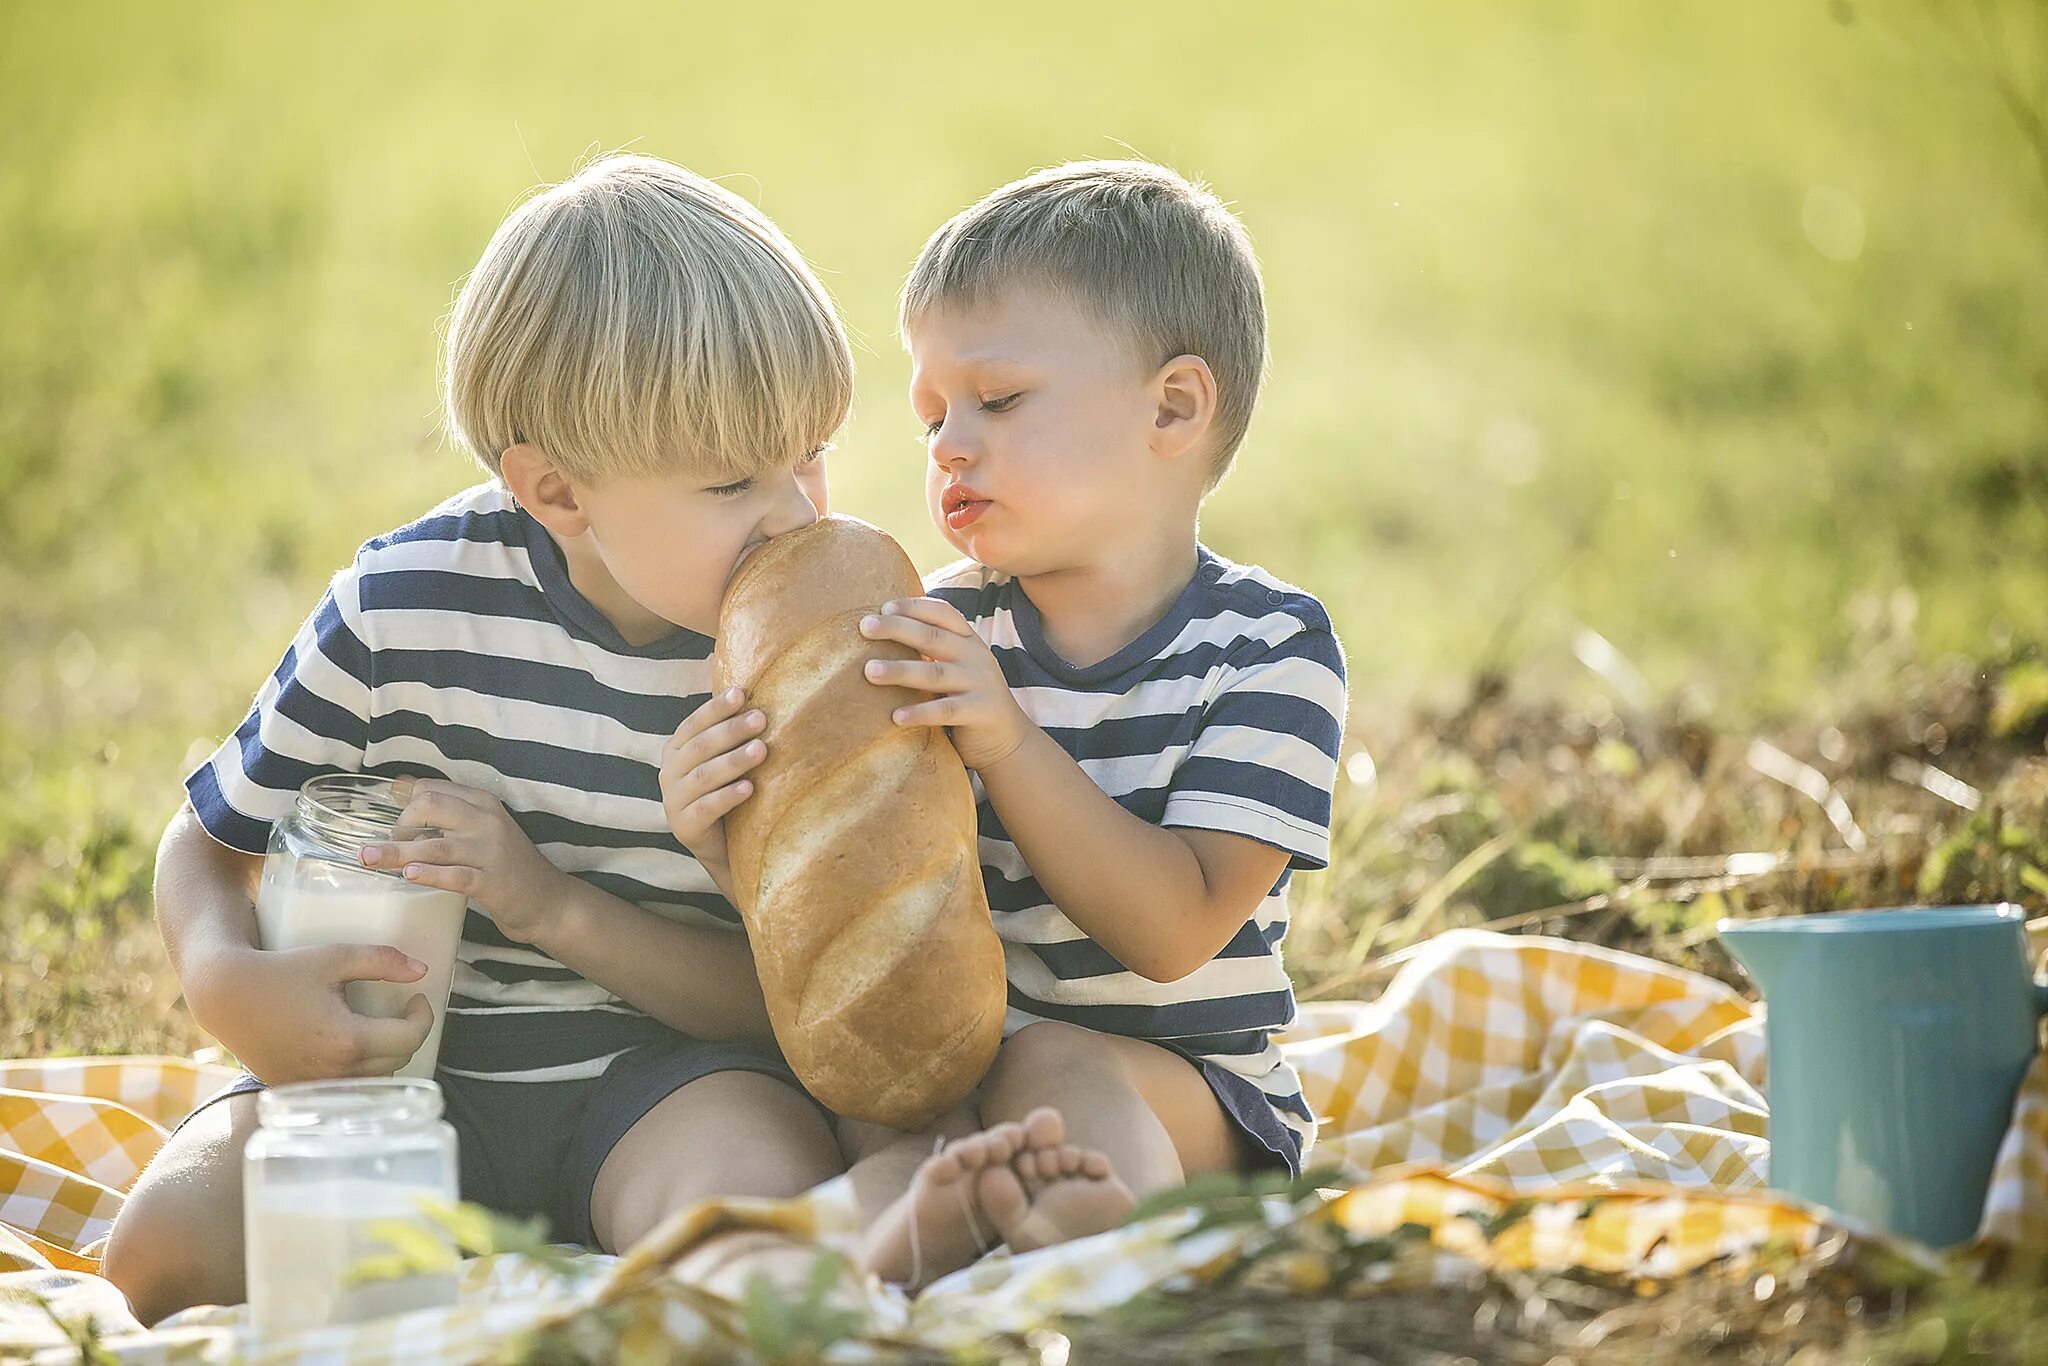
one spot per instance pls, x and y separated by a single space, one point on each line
457 648
1225 715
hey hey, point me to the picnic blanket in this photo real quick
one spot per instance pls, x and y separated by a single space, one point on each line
1509 1102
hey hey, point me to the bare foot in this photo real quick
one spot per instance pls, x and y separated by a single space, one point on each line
1051 1191
934 1228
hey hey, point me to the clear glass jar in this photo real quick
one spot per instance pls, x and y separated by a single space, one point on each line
315 890
332 1160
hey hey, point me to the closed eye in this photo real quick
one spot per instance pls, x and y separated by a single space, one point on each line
740 486
1000 404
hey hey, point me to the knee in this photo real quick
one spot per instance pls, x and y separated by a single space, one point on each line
1039 1058
769 1142
159 1257
177 1241
780 1146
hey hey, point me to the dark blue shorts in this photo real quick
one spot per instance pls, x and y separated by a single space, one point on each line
1266 1142
535 1147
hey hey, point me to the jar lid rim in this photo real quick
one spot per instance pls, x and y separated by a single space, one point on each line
347 811
351 1105
352 799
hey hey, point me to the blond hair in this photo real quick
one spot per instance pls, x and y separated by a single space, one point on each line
1147 252
639 319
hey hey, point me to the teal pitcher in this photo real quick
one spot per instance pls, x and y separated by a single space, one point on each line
1896 1041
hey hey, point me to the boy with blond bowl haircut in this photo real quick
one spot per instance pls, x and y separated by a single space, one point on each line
1153 729
650 374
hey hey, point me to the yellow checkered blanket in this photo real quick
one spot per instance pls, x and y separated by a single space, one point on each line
1527 1102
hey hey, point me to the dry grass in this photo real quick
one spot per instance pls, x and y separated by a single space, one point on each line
1638 830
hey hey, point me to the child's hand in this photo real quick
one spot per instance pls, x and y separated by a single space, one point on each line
703 768
480 852
973 696
284 1016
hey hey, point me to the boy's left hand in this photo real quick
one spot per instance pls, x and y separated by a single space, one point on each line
973 698
480 852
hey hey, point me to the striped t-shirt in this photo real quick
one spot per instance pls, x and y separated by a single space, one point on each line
1225 715
456 648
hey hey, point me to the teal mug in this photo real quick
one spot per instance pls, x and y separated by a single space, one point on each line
1896 1042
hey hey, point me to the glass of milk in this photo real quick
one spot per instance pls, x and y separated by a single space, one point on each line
332 1160
315 890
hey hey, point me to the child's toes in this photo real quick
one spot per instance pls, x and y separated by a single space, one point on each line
1069 1160
1002 1199
1008 1140
978 1150
1031 1170
1000 1144
1093 1165
942 1167
1044 1127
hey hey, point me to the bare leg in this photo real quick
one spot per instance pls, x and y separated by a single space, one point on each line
731 1133
178 1239
1144 1110
1103 1121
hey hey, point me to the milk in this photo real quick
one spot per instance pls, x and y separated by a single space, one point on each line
305 903
305 1238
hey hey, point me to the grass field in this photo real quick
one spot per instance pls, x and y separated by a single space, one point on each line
1720 330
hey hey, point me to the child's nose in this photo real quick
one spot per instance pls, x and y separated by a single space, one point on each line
794 509
952 448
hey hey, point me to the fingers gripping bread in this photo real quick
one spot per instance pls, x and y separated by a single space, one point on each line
854 863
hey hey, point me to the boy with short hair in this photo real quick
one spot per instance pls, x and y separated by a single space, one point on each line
1154 730
650 373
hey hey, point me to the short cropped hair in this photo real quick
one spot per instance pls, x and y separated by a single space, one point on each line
1150 254
639 319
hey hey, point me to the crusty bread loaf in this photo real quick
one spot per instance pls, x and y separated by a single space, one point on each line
854 862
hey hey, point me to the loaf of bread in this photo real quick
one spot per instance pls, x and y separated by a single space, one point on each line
854 863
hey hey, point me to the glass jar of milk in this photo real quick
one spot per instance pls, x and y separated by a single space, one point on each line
332 1161
315 890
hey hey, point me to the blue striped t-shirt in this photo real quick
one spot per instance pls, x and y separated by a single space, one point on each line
457 648
1225 715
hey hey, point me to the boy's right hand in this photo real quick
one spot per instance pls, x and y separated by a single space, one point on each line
703 774
283 1014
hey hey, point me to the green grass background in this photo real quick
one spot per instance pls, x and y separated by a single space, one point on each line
1554 344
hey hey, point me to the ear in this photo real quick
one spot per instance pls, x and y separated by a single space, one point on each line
540 487
1186 392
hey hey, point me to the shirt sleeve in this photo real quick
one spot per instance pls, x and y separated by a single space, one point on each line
1264 761
311 718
